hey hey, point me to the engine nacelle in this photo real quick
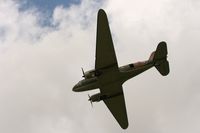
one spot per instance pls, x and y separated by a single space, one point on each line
97 97
91 74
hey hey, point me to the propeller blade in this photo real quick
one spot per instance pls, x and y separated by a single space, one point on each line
91 104
89 97
90 100
83 72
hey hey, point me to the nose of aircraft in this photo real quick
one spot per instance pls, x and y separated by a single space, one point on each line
75 88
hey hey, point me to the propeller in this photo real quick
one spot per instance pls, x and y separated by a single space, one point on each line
90 100
83 72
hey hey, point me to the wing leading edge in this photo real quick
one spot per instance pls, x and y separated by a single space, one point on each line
116 103
105 53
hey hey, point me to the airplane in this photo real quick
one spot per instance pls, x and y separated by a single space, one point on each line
109 78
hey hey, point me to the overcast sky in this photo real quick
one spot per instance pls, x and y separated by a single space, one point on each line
42 52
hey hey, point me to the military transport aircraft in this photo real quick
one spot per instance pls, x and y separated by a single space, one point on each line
108 77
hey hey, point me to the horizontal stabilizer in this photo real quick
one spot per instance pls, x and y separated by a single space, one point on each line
163 67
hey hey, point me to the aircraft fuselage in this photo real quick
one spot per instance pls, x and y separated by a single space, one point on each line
125 73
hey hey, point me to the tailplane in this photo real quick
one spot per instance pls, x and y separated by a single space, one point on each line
159 57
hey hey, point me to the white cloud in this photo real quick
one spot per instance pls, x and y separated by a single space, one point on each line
40 65
164 104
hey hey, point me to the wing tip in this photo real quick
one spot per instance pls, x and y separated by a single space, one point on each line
124 126
101 12
124 123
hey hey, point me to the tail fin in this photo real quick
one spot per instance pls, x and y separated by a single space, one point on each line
159 57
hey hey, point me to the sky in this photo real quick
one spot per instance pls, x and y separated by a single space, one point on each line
42 52
44 5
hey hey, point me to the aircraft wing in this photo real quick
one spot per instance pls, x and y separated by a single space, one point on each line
116 103
105 53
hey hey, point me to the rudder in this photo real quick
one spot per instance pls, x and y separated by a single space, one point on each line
160 59
161 51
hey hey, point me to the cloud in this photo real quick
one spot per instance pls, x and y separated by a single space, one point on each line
40 64
162 104
37 68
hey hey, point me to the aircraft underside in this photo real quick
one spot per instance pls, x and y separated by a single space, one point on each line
109 78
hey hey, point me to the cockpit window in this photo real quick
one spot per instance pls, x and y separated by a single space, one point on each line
85 81
80 82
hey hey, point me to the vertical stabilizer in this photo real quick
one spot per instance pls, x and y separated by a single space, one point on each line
160 59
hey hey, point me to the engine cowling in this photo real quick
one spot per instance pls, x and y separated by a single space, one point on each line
91 74
97 97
